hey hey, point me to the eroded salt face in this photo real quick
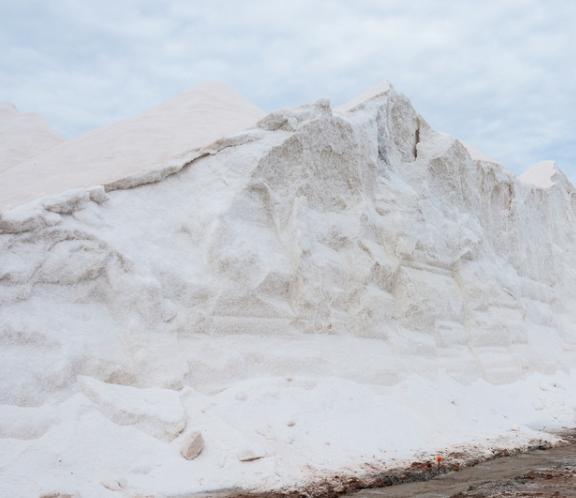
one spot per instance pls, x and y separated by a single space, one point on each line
336 269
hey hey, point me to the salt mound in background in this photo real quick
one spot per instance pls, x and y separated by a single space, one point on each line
123 154
331 291
23 136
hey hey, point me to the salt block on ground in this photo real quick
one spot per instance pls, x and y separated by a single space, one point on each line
250 454
157 412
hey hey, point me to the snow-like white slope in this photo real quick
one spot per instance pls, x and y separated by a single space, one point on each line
126 151
22 137
332 291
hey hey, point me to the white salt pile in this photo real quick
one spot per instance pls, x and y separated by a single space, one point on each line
326 292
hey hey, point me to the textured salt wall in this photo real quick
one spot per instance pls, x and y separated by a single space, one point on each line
360 222
354 222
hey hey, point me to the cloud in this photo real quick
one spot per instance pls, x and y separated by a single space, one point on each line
498 74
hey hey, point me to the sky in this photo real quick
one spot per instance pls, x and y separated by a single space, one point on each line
499 74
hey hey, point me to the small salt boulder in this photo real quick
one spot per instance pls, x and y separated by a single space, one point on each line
193 446
114 484
250 454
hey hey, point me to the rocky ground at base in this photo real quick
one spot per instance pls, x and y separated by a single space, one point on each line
539 470
556 482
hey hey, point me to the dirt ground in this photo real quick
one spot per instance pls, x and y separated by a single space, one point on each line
545 483
543 473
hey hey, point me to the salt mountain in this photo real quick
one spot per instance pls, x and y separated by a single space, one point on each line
327 289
